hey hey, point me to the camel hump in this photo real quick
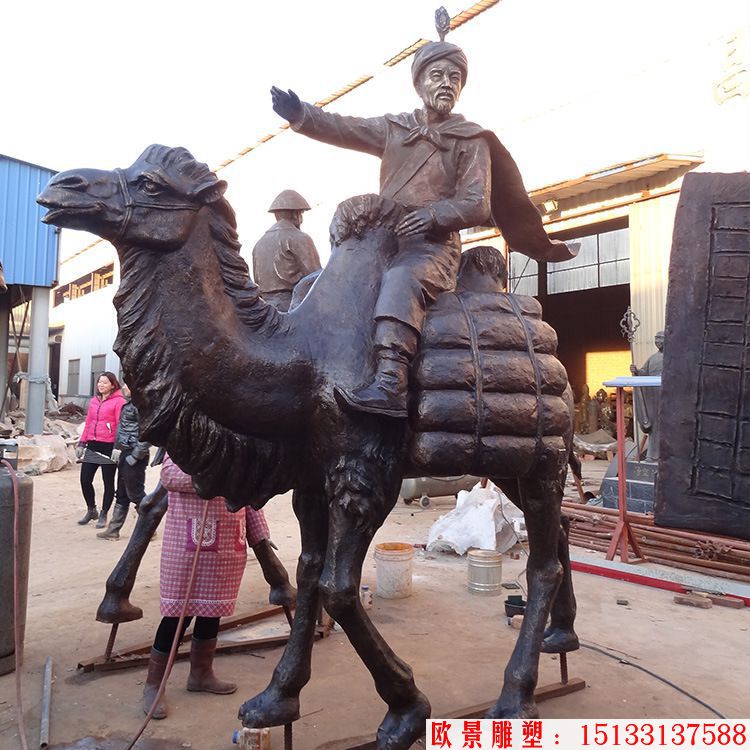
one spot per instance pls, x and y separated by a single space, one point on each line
357 215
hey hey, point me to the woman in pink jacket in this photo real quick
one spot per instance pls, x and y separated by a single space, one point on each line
95 446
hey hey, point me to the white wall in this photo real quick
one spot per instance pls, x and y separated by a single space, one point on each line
90 330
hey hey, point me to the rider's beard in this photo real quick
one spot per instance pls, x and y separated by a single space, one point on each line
443 105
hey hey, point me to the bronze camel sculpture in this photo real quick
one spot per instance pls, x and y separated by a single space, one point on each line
242 397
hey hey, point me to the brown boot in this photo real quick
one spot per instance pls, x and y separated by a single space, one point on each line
202 678
157 665
395 346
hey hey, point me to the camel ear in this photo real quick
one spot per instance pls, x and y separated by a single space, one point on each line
212 192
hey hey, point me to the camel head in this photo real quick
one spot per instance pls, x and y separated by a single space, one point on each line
152 204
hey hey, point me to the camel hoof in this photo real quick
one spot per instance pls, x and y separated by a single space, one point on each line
402 727
116 609
559 641
283 596
269 709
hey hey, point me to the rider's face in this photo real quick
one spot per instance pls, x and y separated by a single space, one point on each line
440 86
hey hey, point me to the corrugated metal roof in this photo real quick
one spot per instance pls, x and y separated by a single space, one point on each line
28 248
615 175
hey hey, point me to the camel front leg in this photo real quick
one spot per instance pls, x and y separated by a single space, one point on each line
116 606
279 703
540 501
354 518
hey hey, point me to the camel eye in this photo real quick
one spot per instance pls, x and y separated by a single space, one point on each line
150 186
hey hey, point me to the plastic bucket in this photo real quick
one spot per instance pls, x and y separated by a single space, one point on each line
485 572
393 562
25 493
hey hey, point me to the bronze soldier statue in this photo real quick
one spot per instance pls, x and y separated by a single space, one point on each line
284 254
647 400
449 174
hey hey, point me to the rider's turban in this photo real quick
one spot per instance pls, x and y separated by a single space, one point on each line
439 51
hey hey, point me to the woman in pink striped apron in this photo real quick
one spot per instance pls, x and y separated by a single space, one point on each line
219 573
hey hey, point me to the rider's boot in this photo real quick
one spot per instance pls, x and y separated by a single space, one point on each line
395 348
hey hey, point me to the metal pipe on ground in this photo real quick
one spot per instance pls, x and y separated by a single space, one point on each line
732 560
46 702
599 510
658 556
642 520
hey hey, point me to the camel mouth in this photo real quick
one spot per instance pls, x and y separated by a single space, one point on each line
59 213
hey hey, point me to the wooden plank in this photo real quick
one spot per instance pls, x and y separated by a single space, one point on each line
136 660
691 600
721 600
144 647
556 689
543 693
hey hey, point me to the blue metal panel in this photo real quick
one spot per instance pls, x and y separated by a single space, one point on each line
28 248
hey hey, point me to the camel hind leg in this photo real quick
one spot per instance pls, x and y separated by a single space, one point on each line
560 637
540 501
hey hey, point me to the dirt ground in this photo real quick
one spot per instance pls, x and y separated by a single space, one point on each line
457 642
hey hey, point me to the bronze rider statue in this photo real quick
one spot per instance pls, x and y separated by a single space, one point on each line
449 174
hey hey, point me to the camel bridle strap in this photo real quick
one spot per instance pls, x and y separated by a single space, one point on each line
131 203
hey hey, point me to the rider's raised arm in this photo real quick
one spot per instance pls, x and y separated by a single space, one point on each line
367 134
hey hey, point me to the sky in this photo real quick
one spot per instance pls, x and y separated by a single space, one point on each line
92 83
95 82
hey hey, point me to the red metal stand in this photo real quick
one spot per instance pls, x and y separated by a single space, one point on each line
623 534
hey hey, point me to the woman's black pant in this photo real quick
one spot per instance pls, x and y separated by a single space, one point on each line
88 471
206 629
131 481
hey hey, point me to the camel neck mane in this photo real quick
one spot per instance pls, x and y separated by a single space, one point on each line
154 362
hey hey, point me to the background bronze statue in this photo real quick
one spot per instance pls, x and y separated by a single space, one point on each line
242 397
284 254
647 400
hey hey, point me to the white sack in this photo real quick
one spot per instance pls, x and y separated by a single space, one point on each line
482 519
